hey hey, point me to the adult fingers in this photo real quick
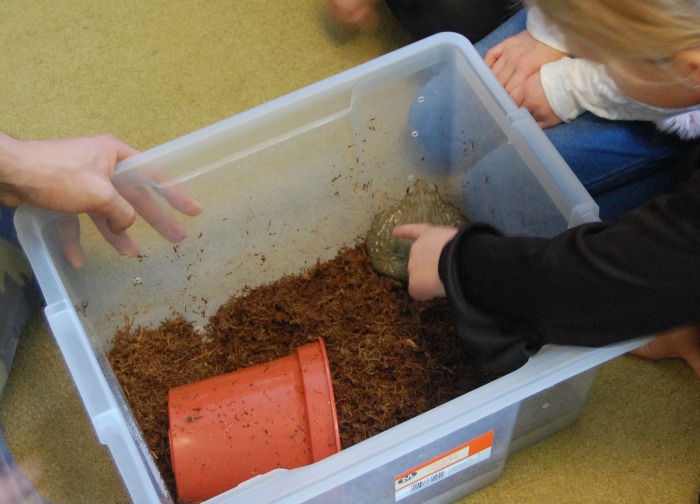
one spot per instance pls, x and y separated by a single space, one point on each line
121 242
118 213
148 208
174 194
123 149
66 231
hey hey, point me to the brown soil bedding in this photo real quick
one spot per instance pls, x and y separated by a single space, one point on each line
391 358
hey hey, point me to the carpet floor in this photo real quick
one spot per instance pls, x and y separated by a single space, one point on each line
153 71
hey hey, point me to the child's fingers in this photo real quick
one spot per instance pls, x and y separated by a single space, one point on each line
493 54
410 231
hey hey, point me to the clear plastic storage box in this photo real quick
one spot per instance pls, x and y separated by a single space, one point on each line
290 182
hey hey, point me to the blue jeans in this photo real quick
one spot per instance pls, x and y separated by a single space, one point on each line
19 299
621 163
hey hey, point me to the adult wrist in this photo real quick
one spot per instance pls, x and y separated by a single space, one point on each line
10 167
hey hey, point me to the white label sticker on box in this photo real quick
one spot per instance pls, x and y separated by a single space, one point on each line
444 466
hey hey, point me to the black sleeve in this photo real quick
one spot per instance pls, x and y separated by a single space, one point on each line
591 285
472 18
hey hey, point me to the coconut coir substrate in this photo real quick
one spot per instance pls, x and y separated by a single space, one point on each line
391 358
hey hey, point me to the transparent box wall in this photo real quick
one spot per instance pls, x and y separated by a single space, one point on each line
289 183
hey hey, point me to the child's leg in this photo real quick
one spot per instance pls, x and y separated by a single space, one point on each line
510 27
621 163
472 18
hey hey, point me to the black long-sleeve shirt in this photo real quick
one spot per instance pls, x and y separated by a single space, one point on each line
591 285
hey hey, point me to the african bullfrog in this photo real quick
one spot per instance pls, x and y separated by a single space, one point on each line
421 204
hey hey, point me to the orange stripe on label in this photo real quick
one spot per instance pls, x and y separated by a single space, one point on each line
469 448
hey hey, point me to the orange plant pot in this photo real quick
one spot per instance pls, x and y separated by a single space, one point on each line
229 428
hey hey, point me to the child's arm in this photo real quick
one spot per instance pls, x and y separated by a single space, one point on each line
591 285
573 86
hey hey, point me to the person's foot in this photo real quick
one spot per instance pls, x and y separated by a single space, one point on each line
683 343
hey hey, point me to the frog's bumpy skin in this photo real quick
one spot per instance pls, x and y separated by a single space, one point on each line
421 204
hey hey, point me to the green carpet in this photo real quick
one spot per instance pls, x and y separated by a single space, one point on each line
152 71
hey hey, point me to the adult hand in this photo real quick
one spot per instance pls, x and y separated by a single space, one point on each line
75 175
428 241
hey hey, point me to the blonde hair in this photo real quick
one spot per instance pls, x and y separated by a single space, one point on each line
641 30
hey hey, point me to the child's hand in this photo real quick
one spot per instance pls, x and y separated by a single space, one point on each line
519 57
356 13
516 62
530 94
428 241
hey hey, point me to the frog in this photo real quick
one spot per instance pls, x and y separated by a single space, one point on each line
422 203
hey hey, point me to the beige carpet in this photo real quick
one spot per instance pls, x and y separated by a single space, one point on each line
152 71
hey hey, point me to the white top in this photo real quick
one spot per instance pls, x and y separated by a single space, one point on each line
575 85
